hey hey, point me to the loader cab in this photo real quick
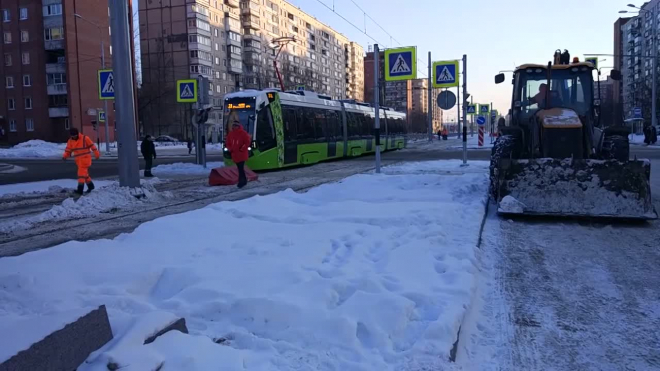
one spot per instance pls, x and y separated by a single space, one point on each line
566 86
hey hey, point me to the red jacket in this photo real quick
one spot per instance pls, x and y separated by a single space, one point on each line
238 141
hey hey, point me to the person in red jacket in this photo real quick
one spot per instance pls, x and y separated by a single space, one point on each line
238 142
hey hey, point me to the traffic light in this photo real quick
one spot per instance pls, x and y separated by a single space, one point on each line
94 124
202 115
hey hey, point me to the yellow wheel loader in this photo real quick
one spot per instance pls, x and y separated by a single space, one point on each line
553 157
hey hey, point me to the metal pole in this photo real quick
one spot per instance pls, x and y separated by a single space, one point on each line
458 106
429 99
129 169
105 103
464 110
377 106
654 45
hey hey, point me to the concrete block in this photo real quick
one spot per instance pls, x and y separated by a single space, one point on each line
67 348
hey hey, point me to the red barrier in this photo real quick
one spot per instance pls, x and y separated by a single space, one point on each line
229 176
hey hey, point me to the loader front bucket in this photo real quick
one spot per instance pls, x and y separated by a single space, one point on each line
583 188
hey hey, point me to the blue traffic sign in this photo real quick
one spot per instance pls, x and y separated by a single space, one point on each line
106 84
400 64
637 112
186 91
101 116
471 109
481 120
445 74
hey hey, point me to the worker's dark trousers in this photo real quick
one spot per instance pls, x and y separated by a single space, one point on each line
148 163
242 179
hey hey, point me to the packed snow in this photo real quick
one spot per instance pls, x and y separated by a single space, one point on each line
375 272
59 185
181 168
110 197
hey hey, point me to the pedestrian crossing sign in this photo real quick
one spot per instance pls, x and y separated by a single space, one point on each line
101 116
484 108
471 109
401 64
592 60
106 84
186 91
445 74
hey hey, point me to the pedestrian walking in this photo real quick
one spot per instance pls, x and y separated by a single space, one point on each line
80 147
190 144
238 142
148 150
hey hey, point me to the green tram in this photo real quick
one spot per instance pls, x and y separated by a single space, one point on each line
302 127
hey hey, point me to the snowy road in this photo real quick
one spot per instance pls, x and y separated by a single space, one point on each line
563 295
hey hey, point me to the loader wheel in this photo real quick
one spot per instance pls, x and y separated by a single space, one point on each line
616 147
505 147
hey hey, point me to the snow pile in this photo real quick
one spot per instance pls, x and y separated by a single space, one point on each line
181 168
47 186
511 205
373 273
593 188
108 199
34 149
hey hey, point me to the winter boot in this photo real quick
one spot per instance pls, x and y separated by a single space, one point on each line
90 187
80 189
147 174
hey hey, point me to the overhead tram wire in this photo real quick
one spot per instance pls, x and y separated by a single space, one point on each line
421 72
349 22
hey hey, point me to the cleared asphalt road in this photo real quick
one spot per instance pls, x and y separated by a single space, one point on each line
43 169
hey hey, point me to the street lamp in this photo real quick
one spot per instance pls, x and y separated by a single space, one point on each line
280 43
654 119
105 101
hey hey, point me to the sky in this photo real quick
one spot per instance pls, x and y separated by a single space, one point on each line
495 34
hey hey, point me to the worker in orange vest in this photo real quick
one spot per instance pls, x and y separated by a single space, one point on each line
81 148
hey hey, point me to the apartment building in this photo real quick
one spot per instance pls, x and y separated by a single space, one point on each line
49 69
620 48
232 44
420 106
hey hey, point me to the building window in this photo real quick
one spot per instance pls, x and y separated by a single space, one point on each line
7 59
224 76
28 103
216 32
25 36
67 125
216 47
7 37
12 125
9 82
29 124
218 89
25 58
5 15
11 104
217 60
54 9
55 33
24 13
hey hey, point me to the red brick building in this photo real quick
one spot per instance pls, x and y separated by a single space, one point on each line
49 68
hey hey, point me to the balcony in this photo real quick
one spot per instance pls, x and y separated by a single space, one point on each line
58 112
56 67
252 8
56 89
251 36
235 67
54 44
251 22
232 3
232 25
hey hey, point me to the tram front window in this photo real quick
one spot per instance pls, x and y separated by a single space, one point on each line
240 111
